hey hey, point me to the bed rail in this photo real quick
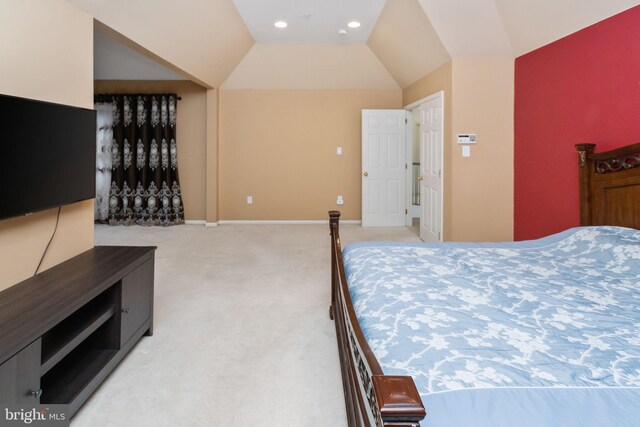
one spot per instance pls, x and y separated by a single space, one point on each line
371 398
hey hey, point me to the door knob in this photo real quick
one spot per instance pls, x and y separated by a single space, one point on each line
366 174
419 178
36 393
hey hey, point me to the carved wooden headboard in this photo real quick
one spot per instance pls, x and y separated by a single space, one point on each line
609 186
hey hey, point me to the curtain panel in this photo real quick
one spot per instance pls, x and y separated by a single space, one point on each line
144 186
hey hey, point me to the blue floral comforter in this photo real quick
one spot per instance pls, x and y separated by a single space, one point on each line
561 313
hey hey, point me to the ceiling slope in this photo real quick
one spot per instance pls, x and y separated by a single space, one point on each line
115 61
532 24
469 28
205 38
406 43
208 39
310 66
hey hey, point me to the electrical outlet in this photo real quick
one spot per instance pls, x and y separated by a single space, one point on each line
249 200
340 201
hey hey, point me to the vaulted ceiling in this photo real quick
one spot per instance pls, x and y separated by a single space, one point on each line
209 39
310 21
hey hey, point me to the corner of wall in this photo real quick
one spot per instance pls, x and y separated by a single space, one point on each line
213 170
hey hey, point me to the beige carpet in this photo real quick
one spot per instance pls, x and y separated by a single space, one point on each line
242 335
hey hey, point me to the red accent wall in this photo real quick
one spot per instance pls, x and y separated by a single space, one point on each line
584 88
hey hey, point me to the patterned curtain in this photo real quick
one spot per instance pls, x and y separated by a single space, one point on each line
144 188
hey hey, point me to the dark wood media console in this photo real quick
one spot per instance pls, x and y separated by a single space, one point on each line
64 330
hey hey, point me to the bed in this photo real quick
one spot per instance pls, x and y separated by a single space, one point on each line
537 333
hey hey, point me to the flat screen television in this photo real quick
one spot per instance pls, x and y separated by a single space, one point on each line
47 155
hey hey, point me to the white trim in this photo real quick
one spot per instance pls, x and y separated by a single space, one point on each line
408 171
413 106
282 222
195 222
211 224
426 99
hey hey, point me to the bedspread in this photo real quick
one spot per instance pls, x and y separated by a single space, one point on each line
559 312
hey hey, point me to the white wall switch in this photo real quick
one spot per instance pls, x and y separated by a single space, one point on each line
249 200
340 201
339 151
466 151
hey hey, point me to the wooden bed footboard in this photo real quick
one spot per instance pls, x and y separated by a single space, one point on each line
371 398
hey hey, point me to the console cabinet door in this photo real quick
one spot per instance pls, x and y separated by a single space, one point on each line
20 376
137 297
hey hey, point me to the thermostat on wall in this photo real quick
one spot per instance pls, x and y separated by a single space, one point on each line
467 138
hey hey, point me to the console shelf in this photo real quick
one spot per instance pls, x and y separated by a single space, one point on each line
73 334
62 385
64 330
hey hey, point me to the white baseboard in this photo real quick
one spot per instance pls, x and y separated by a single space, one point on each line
200 222
282 222
266 222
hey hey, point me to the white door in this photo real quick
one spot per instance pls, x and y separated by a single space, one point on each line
431 147
383 168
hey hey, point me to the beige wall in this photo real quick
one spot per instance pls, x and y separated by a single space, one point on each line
279 146
191 136
47 54
439 80
310 66
482 198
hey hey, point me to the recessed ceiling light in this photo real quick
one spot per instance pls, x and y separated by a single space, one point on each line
280 24
342 31
353 24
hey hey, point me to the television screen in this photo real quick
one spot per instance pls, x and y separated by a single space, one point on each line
47 155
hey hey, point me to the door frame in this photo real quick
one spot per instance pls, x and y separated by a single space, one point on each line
409 144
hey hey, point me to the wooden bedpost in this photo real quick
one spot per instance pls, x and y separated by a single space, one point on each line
334 225
371 398
586 166
398 400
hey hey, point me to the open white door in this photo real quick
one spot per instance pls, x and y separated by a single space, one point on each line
431 147
383 168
